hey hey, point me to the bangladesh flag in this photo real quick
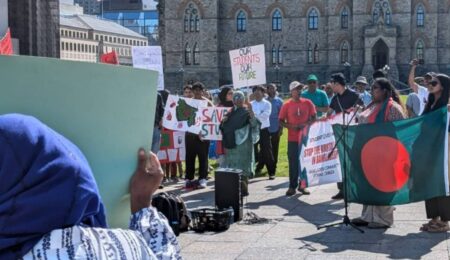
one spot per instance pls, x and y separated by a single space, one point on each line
396 162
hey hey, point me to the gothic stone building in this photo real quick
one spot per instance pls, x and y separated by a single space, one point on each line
303 37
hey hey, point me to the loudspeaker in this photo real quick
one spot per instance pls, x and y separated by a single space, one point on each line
228 191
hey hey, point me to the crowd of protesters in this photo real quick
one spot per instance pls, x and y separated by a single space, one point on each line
253 127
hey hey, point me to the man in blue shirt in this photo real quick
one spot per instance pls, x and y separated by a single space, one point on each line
317 96
361 85
275 129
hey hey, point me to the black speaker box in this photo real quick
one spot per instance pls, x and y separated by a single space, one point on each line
228 191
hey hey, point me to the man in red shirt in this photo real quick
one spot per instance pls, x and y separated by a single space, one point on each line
295 114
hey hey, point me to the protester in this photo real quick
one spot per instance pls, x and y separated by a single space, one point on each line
295 114
197 147
344 100
329 92
386 107
240 130
380 73
262 110
226 97
56 212
438 209
187 91
413 105
225 100
421 91
167 167
275 129
317 96
361 85
159 113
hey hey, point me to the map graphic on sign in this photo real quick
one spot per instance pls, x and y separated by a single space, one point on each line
186 112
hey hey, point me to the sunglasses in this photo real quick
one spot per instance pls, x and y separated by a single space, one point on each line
433 83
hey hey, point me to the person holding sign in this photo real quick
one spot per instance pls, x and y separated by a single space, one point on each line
196 146
262 109
240 130
386 107
50 205
295 114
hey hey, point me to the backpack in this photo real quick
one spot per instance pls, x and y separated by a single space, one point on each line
174 209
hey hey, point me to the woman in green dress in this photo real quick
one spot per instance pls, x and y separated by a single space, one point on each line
240 130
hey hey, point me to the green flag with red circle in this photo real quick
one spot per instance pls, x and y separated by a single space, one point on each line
396 162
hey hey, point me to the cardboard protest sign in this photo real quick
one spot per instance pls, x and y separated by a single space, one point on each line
107 111
150 58
248 66
183 114
320 164
211 119
172 144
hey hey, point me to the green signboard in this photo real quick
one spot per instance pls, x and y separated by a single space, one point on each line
106 110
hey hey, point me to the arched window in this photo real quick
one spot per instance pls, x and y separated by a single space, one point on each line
197 23
313 19
196 54
280 55
310 54
344 52
277 21
387 16
316 54
419 50
241 21
420 19
187 55
344 18
191 19
274 55
376 12
186 23
191 23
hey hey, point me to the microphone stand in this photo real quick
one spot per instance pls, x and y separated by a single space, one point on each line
343 138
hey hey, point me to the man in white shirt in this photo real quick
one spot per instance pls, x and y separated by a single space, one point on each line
422 91
262 109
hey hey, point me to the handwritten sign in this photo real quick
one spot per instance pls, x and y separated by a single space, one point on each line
248 66
183 114
150 58
211 119
319 162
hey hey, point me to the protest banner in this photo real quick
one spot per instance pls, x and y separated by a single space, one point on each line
211 119
248 66
107 111
172 148
318 166
319 163
150 58
183 114
397 162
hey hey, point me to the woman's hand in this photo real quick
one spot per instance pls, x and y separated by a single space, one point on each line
145 181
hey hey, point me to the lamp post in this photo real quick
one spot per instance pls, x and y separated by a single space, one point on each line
277 70
181 70
348 66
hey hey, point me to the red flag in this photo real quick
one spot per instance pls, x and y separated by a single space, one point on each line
6 47
110 57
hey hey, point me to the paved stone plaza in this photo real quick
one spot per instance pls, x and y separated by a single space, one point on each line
293 232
